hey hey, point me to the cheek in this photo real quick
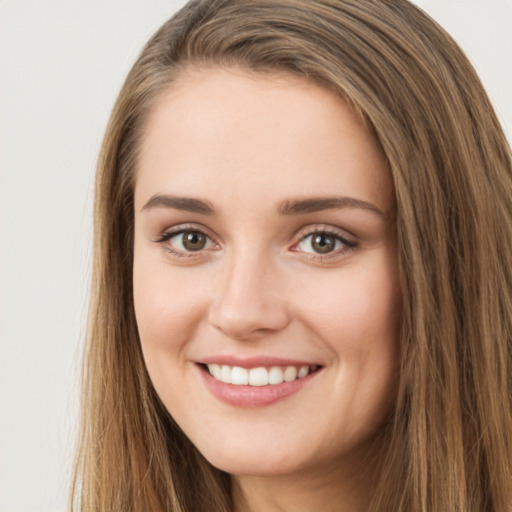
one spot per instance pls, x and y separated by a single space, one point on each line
358 319
357 309
167 313
167 308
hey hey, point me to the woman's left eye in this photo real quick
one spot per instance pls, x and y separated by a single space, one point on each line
323 243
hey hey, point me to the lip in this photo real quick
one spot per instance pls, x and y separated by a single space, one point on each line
255 362
253 396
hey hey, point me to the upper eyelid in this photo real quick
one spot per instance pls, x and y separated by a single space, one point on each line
303 231
297 237
181 228
324 228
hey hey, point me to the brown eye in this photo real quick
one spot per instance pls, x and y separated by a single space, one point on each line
186 241
323 243
320 243
194 240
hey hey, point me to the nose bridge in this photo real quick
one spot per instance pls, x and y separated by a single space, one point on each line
249 302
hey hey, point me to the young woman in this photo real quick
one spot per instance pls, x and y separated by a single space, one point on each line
302 290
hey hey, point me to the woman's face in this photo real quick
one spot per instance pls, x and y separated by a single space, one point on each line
265 255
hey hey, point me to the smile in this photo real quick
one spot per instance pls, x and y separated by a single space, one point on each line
260 376
256 383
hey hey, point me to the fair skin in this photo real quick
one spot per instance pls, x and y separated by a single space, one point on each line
263 239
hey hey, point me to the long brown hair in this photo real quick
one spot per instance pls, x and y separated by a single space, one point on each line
449 447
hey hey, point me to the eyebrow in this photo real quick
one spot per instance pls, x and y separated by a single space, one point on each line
316 204
288 207
180 203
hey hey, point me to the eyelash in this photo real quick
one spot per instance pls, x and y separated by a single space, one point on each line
167 235
348 245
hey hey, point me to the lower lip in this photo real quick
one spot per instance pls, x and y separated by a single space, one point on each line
253 396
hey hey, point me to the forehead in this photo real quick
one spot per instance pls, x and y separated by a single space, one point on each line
271 134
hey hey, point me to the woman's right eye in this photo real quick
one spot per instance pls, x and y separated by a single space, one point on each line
186 241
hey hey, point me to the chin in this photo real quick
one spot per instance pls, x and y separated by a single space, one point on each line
252 461
242 466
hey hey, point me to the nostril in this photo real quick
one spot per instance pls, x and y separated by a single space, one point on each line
246 322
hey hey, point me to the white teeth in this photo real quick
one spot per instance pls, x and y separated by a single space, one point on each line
225 374
303 371
290 373
215 370
239 376
258 376
275 375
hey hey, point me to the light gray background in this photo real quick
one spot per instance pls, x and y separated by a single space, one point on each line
62 63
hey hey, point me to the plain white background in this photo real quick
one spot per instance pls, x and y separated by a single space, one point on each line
62 63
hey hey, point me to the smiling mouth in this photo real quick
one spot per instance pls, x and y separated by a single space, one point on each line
260 376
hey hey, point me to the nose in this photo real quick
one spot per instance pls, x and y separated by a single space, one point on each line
249 303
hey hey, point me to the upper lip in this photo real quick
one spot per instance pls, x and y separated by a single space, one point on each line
255 362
